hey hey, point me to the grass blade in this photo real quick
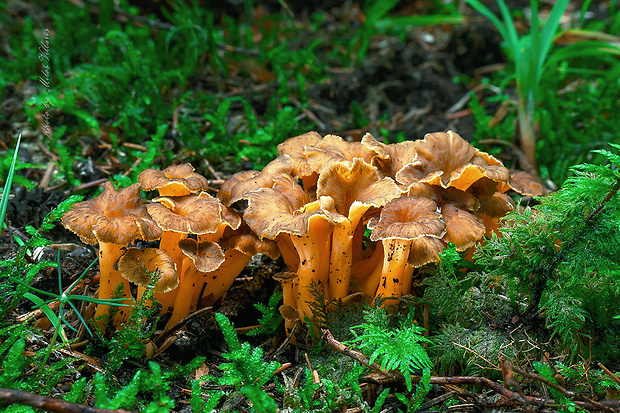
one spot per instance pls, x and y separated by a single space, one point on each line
548 32
7 185
484 10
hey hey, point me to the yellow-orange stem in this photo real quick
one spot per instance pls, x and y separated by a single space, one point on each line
396 274
314 253
362 271
220 280
287 249
108 282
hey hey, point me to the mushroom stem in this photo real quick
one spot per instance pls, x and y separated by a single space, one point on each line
170 244
216 236
358 240
220 280
342 252
166 299
109 280
287 249
341 260
183 301
396 273
314 252
288 292
362 270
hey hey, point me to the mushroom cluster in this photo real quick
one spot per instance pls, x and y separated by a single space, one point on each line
320 195
312 205
203 245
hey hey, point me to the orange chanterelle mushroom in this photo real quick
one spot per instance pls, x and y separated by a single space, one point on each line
114 219
402 222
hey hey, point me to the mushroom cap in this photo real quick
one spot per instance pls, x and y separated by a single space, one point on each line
285 277
390 158
289 313
250 244
458 208
463 228
461 199
190 214
335 149
136 263
408 218
207 256
117 217
181 178
294 147
446 159
270 212
425 250
240 184
492 203
355 182
525 184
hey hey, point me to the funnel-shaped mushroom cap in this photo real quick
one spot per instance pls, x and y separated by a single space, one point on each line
136 264
357 182
250 244
174 180
286 185
294 147
207 256
270 212
289 313
189 214
335 149
408 218
116 217
241 183
463 227
390 158
525 184
492 203
460 199
446 159
425 250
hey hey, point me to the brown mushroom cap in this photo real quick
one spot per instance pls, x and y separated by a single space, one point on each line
335 149
390 158
525 184
195 214
250 244
425 250
408 217
207 256
294 147
458 208
271 213
357 182
284 277
289 314
136 264
241 183
464 229
116 217
446 159
174 180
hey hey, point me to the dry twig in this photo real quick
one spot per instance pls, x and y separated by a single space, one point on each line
12 396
